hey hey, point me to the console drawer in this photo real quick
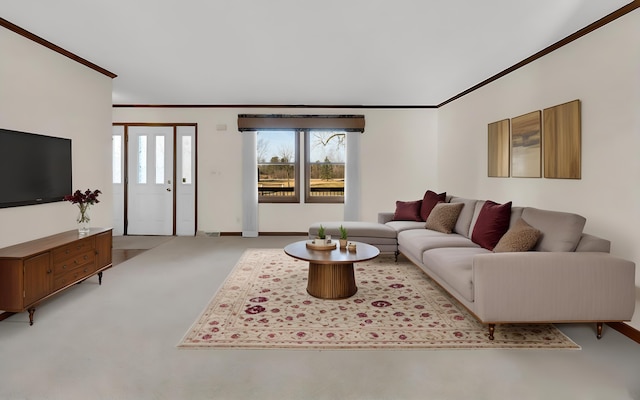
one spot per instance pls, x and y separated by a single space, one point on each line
69 251
74 275
61 267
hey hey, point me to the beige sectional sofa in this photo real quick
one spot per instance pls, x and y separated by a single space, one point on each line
565 276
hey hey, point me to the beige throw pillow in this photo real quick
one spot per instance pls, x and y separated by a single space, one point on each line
443 217
521 237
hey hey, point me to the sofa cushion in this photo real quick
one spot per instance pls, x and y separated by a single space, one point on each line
466 215
454 266
414 242
443 217
429 201
493 221
407 211
399 226
593 243
520 237
560 231
516 214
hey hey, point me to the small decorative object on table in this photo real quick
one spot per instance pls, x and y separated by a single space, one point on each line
351 246
343 237
320 245
321 235
83 200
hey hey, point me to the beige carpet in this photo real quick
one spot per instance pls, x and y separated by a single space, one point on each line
139 242
264 304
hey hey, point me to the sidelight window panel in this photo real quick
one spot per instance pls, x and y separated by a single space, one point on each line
160 160
142 159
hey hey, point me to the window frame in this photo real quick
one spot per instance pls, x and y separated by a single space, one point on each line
296 172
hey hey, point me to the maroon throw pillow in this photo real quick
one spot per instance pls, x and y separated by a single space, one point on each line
407 211
492 223
429 201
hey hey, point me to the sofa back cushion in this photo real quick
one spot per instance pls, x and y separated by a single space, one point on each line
593 243
429 201
559 231
516 214
492 222
466 215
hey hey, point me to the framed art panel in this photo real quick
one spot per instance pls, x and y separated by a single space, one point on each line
499 146
563 141
526 146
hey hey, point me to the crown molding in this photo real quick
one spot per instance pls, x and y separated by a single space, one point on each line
574 36
270 106
51 46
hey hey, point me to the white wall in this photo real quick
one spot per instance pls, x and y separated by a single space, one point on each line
44 92
602 69
399 154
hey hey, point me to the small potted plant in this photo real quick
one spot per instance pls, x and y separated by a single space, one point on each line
321 234
343 237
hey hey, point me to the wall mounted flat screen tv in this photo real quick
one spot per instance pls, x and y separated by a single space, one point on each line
34 169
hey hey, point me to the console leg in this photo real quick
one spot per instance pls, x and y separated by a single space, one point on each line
100 278
492 329
599 329
31 311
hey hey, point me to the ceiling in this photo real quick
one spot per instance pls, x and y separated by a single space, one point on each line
302 52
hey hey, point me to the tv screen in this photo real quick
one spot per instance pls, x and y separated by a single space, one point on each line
34 169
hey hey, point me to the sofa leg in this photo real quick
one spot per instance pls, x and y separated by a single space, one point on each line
492 329
599 326
397 253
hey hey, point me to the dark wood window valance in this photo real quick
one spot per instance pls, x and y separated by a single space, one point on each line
255 122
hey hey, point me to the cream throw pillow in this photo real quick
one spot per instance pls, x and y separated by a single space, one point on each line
443 217
521 237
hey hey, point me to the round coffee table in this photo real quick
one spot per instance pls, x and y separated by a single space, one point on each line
331 271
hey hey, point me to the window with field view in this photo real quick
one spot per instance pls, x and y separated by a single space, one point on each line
325 156
278 170
279 166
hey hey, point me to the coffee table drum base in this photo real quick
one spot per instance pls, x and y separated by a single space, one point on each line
331 281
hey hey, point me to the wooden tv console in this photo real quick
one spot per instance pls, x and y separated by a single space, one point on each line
33 271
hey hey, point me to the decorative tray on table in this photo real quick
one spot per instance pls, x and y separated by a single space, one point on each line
313 246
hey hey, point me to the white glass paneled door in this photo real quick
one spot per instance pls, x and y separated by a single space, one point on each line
154 179
150 180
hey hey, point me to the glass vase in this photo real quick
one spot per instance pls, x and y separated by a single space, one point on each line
83 219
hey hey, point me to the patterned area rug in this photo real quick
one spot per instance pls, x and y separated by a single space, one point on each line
263 304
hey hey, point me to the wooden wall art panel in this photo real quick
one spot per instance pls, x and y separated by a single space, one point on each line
526 146
563 141
499 149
